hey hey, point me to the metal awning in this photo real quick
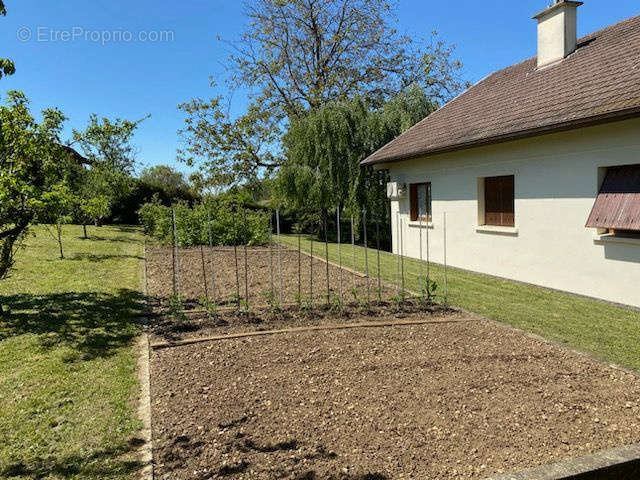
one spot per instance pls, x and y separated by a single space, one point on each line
617 205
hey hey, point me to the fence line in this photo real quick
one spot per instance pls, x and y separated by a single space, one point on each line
334 280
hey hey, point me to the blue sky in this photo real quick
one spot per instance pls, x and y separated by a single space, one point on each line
131 79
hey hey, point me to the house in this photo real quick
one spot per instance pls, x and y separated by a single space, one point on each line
536 168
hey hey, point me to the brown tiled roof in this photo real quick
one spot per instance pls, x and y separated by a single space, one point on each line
599 82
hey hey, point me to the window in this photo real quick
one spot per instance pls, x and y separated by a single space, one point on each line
617 206
499 201
420 200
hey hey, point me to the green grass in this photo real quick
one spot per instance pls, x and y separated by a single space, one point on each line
609 332
68 369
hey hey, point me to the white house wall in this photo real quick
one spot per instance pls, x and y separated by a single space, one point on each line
557 178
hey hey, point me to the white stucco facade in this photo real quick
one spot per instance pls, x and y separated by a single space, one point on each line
557 177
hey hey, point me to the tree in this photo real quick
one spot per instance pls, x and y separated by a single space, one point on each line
108 143
59 202
31 161
324 151
166 179
6 66
232 151
96 208
111 160
297 56
302 54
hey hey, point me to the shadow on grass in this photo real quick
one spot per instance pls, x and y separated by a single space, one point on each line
97 465
101 258
116 239
93 324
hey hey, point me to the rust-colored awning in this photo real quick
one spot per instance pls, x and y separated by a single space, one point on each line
618 203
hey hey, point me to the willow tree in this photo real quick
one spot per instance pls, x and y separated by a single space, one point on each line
324 150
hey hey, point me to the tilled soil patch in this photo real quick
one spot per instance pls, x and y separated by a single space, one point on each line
263 281
166 328
447 401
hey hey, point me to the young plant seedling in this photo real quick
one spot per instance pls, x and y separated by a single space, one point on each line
428 292
210 306
176 309
273 301
336 305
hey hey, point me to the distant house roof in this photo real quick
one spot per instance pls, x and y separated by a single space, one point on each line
599 82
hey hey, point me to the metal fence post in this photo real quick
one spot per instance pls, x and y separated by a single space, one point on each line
174 253
204 273
353 248
398 252
326 255
420 278
339 253
402 258
235 256
446 283
272 284
211 259
246 267
299 268
378 259
279 253
366 254
311 273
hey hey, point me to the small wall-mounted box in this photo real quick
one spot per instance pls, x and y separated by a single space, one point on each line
396 190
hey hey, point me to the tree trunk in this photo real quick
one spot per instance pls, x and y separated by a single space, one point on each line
84 229
60 242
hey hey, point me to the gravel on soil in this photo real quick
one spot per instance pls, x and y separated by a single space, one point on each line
446 401
220 268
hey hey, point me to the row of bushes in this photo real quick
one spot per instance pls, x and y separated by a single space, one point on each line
227 223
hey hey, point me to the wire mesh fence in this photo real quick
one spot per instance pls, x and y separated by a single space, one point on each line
336 265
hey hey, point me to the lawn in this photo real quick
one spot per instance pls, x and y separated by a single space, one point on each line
609 332
68 380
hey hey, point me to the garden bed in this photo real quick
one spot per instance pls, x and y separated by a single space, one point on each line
263 281
443 401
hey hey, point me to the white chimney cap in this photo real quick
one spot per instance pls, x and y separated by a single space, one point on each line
557 31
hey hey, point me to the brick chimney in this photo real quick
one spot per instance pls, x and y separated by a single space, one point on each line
557 31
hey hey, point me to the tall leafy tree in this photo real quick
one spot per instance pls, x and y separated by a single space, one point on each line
6 66
111 159
108 142
31 162
230 151
166 179
297 56
301 54
324 151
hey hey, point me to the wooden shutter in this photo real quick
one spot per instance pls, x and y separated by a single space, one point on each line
507 193
413 201
617 206
499 201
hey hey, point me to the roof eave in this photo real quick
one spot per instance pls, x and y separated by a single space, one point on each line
532 132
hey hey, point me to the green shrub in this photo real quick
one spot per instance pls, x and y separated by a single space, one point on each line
229 223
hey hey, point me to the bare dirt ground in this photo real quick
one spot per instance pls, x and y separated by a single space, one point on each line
446 401
220 267
165 328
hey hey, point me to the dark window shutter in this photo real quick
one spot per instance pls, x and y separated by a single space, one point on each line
508 201
413 202
499 198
